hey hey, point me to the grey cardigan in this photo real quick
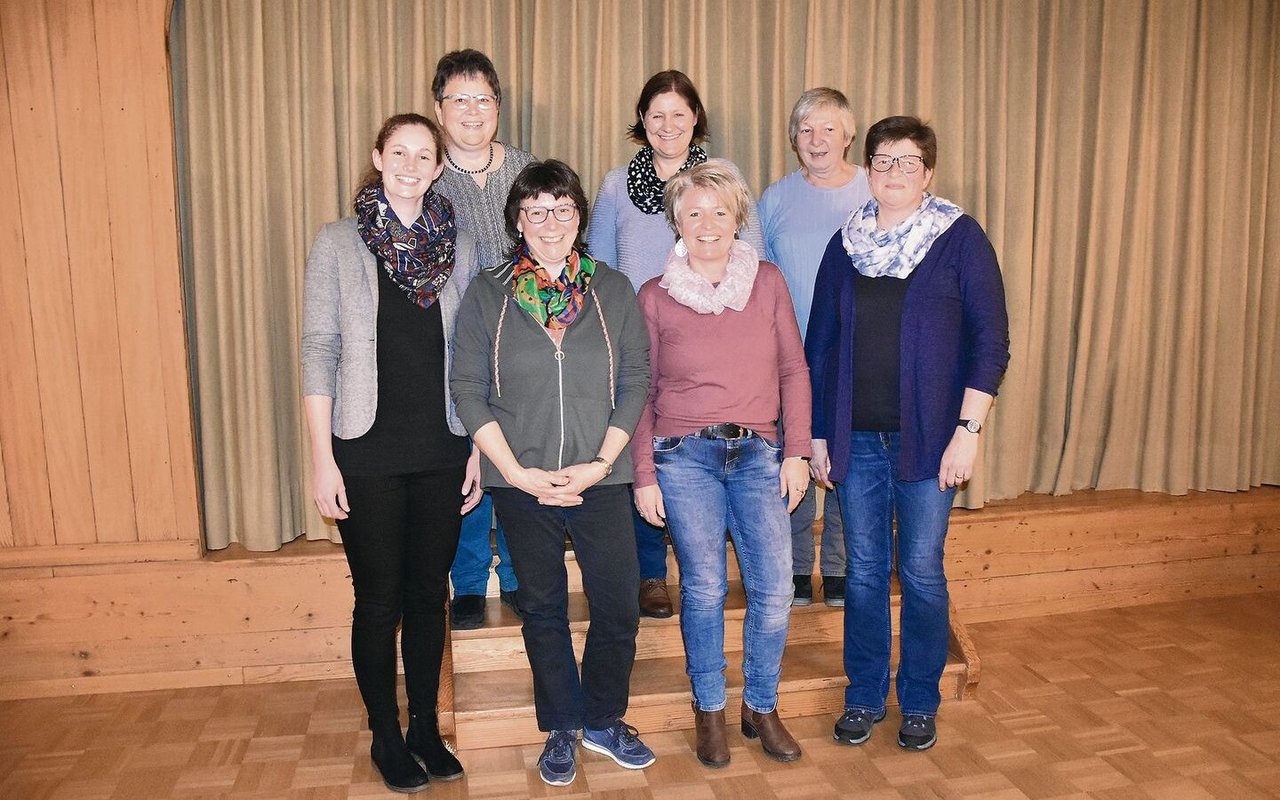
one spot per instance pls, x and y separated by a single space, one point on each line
340 324
554 405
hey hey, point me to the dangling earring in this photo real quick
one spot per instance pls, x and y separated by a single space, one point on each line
680 249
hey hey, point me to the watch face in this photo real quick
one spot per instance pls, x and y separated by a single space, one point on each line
973 426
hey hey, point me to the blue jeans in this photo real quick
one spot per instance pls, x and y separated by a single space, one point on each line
704 482
802 519
870 498
651 546
470 573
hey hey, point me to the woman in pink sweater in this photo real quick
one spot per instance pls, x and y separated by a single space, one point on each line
725 356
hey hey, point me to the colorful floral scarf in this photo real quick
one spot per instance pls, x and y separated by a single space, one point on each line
643 184
897 251
553 303
690 289
418 258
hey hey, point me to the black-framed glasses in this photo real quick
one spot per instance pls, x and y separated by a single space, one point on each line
462 101
538 214
908 164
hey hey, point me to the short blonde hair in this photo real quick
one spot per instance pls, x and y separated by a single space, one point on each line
821 97
716 174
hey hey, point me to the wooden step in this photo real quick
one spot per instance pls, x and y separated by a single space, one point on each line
500 645
495 708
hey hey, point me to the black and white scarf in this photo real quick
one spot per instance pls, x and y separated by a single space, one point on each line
643 184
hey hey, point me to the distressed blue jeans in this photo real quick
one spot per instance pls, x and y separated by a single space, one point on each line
704 483
871 497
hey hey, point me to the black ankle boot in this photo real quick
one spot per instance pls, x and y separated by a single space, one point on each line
424 742
399 771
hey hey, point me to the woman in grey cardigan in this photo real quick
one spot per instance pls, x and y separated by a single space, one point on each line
550 377
390 458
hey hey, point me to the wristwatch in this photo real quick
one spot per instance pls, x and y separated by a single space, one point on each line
608 467
970 425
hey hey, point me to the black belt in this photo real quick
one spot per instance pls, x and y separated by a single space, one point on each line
725 430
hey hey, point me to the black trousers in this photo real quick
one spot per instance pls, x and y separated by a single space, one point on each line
400 539
604 546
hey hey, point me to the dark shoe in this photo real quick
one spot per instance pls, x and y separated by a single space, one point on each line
713 747
393 760
466 612
621 742
804 590
654 599
558 764
777 743
918 732
833 590
424 742
854 726
510 600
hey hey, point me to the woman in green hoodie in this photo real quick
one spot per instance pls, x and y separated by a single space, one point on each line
551 371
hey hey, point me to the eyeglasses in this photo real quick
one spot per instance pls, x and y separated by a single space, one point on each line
538 214
461 101
908 164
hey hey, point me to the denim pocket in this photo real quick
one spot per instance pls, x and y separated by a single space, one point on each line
769 444
666 444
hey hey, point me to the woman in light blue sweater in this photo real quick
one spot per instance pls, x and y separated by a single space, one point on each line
629 231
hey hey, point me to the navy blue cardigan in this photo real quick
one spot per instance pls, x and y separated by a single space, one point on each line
955 334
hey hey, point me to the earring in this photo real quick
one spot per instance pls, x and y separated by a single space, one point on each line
680 249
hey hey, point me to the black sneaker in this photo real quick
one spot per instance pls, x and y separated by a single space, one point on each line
854 726
833 590
466 612
918 732
804 590
511 601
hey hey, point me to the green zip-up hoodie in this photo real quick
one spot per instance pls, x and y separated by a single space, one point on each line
553 405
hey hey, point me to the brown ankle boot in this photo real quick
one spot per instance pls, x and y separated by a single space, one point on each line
713 748
777 743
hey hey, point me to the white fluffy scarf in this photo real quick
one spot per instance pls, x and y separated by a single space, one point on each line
690 289
897 251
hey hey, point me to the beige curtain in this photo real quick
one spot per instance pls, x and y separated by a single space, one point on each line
1124 157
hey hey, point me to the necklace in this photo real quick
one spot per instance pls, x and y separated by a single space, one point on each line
480 171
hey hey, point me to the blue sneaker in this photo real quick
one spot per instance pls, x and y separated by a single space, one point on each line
558 763
621 742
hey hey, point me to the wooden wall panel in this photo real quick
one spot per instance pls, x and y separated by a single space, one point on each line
95 410
40 190
82 158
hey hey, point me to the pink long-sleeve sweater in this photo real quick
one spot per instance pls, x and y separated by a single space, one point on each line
737 366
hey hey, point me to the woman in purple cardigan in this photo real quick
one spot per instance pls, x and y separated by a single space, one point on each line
907 342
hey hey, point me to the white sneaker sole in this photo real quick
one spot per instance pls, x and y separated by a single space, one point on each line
604 751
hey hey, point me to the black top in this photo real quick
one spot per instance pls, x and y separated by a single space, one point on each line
410 432
877 353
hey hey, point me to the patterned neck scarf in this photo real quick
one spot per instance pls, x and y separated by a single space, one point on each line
643 184
418 258
553 303
897 251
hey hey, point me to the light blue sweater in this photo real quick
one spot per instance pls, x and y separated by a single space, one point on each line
798 220
635 243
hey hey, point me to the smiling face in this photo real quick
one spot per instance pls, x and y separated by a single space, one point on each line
821 141
409 163
668 126
898 193
707 225
551 240
469 127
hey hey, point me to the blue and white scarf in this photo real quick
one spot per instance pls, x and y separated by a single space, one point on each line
897 251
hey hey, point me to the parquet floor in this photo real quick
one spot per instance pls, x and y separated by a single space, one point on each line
1171 702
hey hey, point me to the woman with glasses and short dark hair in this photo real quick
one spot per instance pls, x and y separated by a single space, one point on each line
550 374
907 343
478 172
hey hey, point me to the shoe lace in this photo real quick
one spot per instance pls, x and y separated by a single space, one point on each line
627 735
560 745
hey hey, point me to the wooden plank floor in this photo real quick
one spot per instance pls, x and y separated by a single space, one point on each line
1168 701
